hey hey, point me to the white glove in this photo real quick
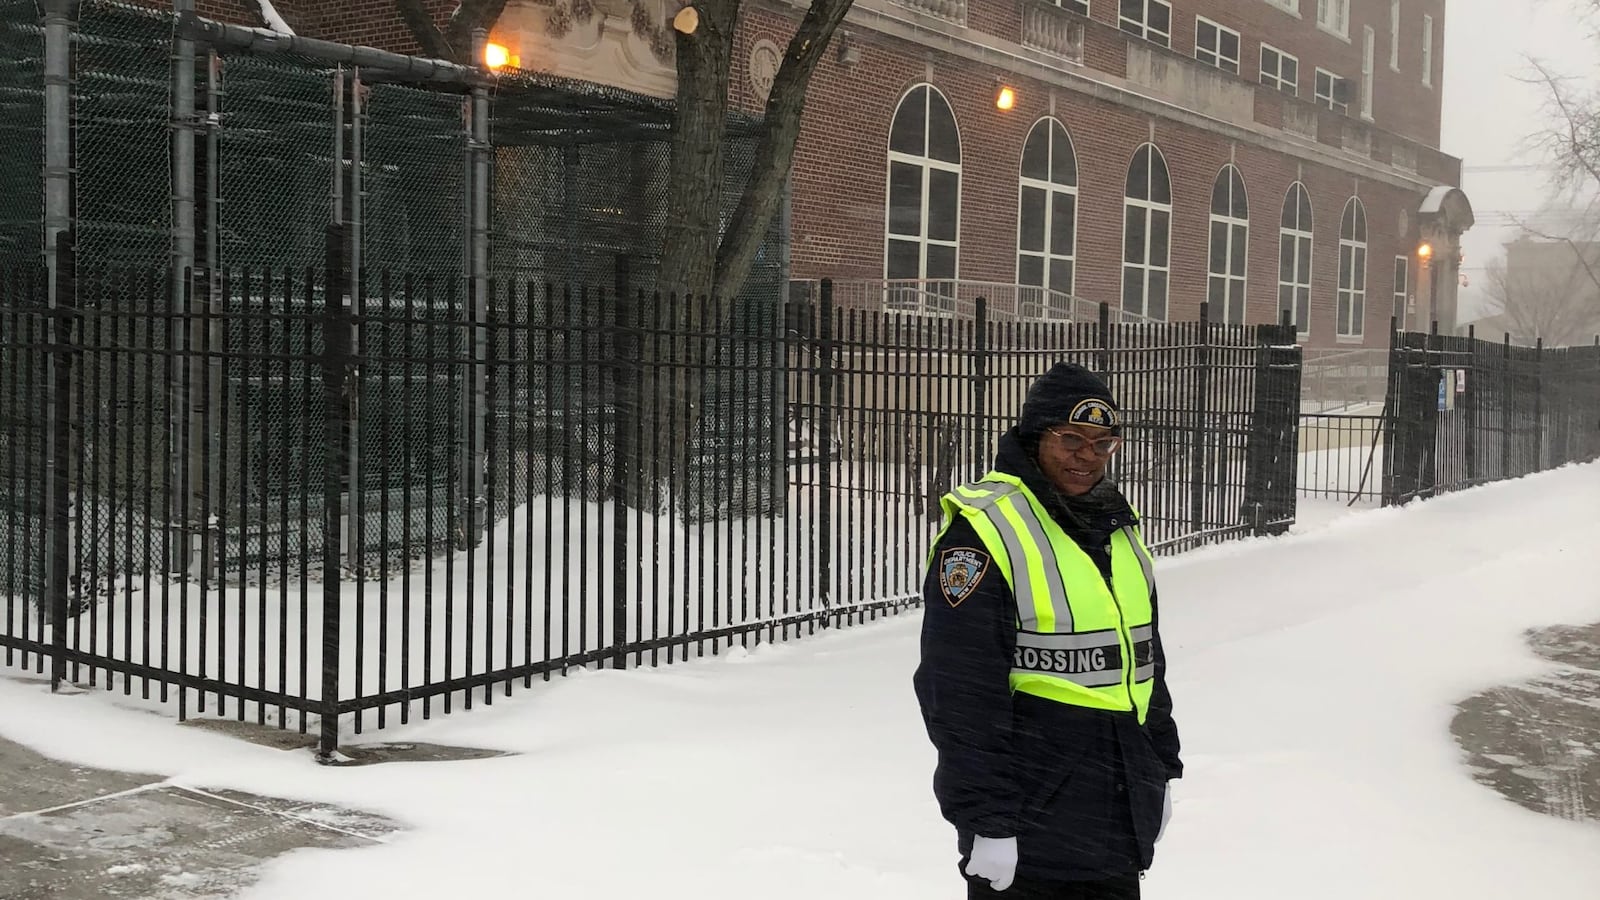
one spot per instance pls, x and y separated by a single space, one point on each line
1166 810
994 859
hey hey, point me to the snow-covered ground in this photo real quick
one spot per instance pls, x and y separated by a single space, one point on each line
1315 677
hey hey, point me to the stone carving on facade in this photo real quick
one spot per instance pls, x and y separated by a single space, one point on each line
624 43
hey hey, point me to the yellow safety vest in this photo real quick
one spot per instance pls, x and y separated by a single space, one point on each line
1079 640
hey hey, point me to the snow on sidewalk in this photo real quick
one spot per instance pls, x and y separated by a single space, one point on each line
1315 677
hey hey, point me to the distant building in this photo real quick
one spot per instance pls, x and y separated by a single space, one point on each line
1273 156
1546 289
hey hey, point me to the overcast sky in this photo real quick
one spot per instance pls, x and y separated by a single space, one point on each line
1489 114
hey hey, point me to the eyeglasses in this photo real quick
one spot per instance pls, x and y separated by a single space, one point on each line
1072 442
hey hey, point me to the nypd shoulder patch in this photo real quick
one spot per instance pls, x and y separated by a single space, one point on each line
960 570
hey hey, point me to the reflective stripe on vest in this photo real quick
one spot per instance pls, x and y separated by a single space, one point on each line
1077 635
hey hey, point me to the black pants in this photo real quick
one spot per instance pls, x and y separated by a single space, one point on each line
1123 887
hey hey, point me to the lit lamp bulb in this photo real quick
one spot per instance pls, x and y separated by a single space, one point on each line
496 56
1006 99
1425 252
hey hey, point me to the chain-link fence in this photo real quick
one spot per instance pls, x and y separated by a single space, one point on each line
21 132
201 148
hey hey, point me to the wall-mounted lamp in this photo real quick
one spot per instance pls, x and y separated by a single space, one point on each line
1005 99
496 56
1425 252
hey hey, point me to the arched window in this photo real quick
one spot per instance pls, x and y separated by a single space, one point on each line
924 188
1294 258
1230 247
1047 211
1146 233
1353 270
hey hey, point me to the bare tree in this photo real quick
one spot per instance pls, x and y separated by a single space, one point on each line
702 261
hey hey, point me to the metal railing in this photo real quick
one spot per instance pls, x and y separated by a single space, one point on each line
958 299
477 492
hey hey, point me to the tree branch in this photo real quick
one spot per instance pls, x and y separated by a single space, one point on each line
454 42
472 15
775 148
423 28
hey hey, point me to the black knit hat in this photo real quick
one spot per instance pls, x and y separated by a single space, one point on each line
1068 393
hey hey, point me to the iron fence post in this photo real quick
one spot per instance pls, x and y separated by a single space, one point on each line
1505 406
1431 384
824 557
350 282
57 131
335 362
1202 387
980 388
1538 405
1389 427
1105 354
477 265
63 315
625 468
1469 406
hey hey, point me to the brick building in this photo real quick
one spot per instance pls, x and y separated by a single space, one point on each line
1269 155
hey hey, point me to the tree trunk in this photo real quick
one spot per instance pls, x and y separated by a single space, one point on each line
668 389
706 267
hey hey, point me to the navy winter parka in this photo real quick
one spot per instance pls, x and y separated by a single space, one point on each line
1080 789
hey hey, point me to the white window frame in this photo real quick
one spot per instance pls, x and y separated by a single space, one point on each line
1369 65
1142 29
1275 79
1394 35
1051 190
1299 280
1328 100
1081 7
1292 7
1333 16
927 164
1230 279
1215 53
1427 51
1402 287
1352 327
1148 208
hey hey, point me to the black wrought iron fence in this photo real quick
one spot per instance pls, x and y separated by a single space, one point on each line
413 497
1464 412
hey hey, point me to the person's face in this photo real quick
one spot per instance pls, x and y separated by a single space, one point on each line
1074 457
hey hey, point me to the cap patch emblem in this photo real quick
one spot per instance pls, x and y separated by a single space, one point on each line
1094 412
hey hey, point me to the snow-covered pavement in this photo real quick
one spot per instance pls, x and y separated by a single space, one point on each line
1315 678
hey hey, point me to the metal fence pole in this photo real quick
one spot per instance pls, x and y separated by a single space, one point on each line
196 402
57 130
824 544
356 521
980 391
624 462
1469 406
477 264
1202 393
1538 405
60 265
58 498
335 322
